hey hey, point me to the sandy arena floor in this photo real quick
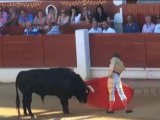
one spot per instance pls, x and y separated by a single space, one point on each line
145 104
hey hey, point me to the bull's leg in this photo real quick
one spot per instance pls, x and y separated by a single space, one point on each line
28 103
65 105
24 106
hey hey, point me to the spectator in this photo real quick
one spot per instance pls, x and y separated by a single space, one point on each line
54 30
95 28
3 17
29 30
148 27
24 18
63 18
157 27
51 18
107 28
86 15
12 16
131 26
75 15
100 15
40 18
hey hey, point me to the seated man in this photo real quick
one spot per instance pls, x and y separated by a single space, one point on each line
148 27
29 30
131 26
157 27
107 28
95 28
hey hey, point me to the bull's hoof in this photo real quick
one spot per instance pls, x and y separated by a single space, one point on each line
33 117
25 114
66 112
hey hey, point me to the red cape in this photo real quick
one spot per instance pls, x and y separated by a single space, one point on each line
100 98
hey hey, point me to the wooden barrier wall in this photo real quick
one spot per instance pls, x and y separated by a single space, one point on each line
22 51
152 44
137 50
130 46
59 51
37 51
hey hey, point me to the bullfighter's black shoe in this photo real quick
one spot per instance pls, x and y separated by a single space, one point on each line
110 112
129 111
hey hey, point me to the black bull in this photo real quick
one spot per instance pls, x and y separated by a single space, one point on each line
61 82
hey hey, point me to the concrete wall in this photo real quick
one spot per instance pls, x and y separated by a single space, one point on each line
9 74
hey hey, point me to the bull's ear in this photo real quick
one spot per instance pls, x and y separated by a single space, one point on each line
91 88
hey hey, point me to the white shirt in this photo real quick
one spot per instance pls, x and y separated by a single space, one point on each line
76 19
148 28
109 30
98 30
157 29
54 30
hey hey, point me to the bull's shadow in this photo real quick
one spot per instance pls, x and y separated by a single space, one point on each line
58 116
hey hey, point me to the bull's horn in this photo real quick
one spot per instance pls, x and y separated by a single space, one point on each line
91 88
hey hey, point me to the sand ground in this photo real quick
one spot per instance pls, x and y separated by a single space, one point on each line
145 105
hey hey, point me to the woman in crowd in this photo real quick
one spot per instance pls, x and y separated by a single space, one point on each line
75 15
40 18
100 15
3 17
63 18
12 16
51 17
86 15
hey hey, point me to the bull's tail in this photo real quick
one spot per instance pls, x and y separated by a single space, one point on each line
17 100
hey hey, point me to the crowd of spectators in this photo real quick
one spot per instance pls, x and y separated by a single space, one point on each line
49 22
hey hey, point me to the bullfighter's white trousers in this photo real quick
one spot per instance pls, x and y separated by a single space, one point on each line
115 84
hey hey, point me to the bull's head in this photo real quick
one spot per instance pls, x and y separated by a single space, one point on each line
88 89
82 90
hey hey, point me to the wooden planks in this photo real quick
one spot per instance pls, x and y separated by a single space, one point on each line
129 46
60 50
22 51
